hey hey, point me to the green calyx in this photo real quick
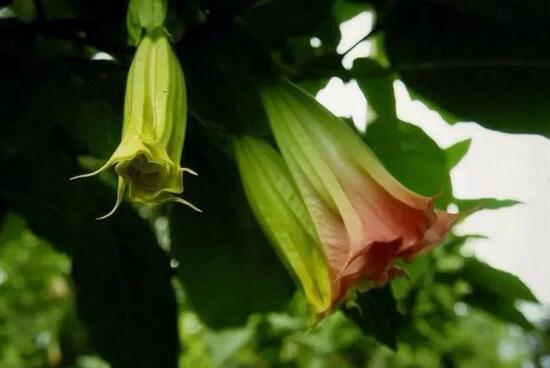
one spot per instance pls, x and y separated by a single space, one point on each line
144 15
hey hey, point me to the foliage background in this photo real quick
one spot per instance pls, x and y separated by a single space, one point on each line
172 288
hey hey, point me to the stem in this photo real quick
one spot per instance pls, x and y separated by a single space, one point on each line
39 9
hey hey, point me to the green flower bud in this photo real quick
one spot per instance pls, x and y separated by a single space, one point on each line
147 159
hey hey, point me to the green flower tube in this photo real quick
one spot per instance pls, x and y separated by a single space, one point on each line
277 206
147 160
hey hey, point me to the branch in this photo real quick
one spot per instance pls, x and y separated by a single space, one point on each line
475 63
78 31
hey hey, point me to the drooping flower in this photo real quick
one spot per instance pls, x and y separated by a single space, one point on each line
147 160
275 201
364 218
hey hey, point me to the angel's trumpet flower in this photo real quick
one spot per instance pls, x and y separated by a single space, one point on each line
147 160
363 217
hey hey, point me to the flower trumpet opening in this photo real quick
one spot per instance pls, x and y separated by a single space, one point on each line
149 182
148 178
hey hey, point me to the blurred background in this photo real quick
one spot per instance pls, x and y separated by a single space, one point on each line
452 96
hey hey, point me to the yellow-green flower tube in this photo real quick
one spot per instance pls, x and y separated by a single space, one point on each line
275 201
147 160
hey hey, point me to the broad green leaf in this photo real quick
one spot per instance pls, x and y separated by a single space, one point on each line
24 9
376 315
404 149
494 291
376 82
273 21
484 69
501 308
489 279
503 11
223 89
345 9
412 157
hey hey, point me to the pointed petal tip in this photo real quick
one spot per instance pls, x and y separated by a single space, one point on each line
82 176
187 203
108 164
110 212
190 171
120 193
106 216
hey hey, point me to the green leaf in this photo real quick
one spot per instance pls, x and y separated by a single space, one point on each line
412 157
24 9
406 151
377 315
453 242
376 82
456 152
493 291
500 283
501 11
499 307
473 205
229 270
345 9
491 70
223 89
274 21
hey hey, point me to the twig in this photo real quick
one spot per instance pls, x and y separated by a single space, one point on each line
377 27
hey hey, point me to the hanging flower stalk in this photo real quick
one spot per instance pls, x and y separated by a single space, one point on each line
362 218
147 160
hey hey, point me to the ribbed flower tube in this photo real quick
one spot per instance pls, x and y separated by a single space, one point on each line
277 205
147 160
